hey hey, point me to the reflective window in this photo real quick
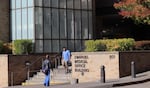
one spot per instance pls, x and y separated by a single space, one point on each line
84 4
71 45
24 23
18 3
13 4
47 46
69 3
63 43
77 4
62 3
70 24
31 2
90 4
63 28
90 25
47 23
55 44
84 25
39 46
39 23
31 23
47 3
18 23
78 45
54 3
24 3
37 2
55 24
13 25
77 25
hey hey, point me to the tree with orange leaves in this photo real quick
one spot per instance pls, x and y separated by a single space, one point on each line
138 10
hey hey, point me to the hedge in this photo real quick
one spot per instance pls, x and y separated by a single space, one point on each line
142 45
125 44
1 46
22 46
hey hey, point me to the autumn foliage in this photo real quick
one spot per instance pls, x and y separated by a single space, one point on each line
138 10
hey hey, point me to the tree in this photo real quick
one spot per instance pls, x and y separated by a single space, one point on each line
137 10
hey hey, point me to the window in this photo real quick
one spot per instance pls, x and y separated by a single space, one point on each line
47 23
39 23
77 4
84 25
90 25
39 46
77 25
13 3
84 4
55 3
62 3
13 25
47 3
24 23
70 24
47 45
24 3
31 23
63 28
18 3
55 46
18 23
31 2
55 24
69 3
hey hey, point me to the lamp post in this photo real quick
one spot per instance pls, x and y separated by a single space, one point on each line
28 63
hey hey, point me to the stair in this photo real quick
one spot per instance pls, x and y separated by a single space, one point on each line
57 76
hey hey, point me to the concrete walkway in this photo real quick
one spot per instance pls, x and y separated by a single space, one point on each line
140 78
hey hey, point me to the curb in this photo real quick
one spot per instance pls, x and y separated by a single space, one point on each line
131 82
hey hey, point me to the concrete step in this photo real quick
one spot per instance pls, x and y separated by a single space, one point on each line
57 76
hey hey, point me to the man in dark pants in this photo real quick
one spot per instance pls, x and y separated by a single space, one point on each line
46 70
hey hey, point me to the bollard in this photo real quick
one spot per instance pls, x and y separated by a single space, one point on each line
74 81
133 73
102 74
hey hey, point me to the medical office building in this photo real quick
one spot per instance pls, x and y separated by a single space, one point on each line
53 24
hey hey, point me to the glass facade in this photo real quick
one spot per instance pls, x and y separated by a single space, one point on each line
22 19
53 24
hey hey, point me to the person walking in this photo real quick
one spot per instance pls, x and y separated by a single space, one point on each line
65 58
46 70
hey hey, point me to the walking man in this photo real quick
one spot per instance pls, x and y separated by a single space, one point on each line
46 70
65 58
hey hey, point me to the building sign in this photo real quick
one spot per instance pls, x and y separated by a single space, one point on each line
81 64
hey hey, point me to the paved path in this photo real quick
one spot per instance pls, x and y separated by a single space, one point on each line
126 82
142 85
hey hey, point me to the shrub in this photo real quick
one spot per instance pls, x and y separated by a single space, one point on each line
110 45
7 48
22 46
142 45
93 46
1 46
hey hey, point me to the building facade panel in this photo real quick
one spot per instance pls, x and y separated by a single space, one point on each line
57 23
4 20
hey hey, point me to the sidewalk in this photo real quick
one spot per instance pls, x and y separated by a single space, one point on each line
140 78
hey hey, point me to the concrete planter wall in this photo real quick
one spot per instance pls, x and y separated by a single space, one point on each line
86 65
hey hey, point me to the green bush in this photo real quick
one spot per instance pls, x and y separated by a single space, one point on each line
93 46
109 45
22 46
1 46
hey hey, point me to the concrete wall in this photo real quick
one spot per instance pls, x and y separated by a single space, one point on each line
3 71
141 59
4 20
90 63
